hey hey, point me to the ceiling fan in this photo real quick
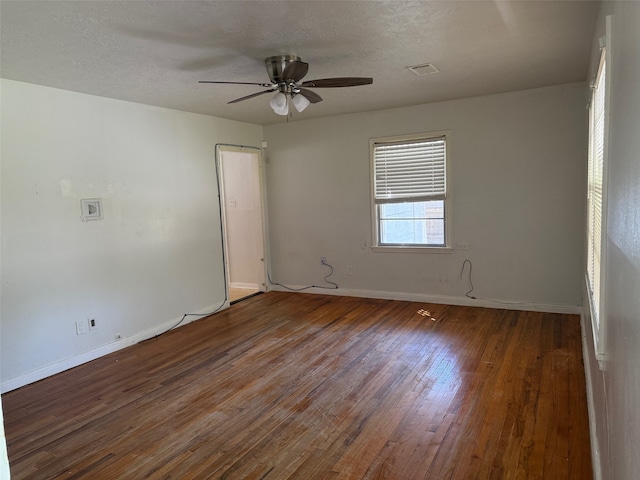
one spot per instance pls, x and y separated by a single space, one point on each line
285 71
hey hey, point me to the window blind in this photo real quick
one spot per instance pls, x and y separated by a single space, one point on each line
596 168
410 170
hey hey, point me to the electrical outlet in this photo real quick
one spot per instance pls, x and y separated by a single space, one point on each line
81 327
463 246
323 260
348 270
92 324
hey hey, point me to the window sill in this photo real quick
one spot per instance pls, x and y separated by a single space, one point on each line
399 249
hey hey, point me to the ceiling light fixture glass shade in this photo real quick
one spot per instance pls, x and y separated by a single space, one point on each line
300 102
279 104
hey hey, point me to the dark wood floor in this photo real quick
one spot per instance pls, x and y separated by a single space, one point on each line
301 386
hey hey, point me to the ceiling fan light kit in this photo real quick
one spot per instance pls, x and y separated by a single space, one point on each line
300 102
285 71
279 104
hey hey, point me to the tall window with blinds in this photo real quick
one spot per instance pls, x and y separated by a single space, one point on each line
410 190
596 192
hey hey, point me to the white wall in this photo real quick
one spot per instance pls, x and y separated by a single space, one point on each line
156 254
615 391
518 199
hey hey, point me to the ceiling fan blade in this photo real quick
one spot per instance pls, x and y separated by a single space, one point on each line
239 83
295 71
252 95
338 82
313 97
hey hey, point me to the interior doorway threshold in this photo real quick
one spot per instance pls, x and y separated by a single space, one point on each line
245 297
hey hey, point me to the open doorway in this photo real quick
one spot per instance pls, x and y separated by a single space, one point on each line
240 170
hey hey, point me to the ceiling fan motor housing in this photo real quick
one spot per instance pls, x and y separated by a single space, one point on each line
276 65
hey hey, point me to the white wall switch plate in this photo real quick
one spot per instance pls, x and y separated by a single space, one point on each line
82 327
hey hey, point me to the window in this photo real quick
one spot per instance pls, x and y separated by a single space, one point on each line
596 199
410 193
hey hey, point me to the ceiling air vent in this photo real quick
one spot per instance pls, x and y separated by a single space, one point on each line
424 69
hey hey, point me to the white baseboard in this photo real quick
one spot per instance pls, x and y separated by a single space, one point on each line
593 433
440 299
243 285
66 364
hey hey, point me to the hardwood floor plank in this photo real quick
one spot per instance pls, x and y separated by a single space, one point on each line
299 386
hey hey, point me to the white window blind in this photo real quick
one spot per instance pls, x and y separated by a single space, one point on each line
595 188
410 170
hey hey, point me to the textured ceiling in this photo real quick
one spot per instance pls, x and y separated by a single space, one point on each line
154 52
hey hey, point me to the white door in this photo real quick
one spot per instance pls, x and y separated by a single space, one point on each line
243 217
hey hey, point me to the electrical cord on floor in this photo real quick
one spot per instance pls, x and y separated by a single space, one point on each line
482 298
189 315
326 279
470 281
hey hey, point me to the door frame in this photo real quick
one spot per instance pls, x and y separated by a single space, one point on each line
220 149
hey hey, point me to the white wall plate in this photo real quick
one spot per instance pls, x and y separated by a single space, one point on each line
91 209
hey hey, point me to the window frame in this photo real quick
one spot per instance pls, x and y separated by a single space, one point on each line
376 245
596 303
